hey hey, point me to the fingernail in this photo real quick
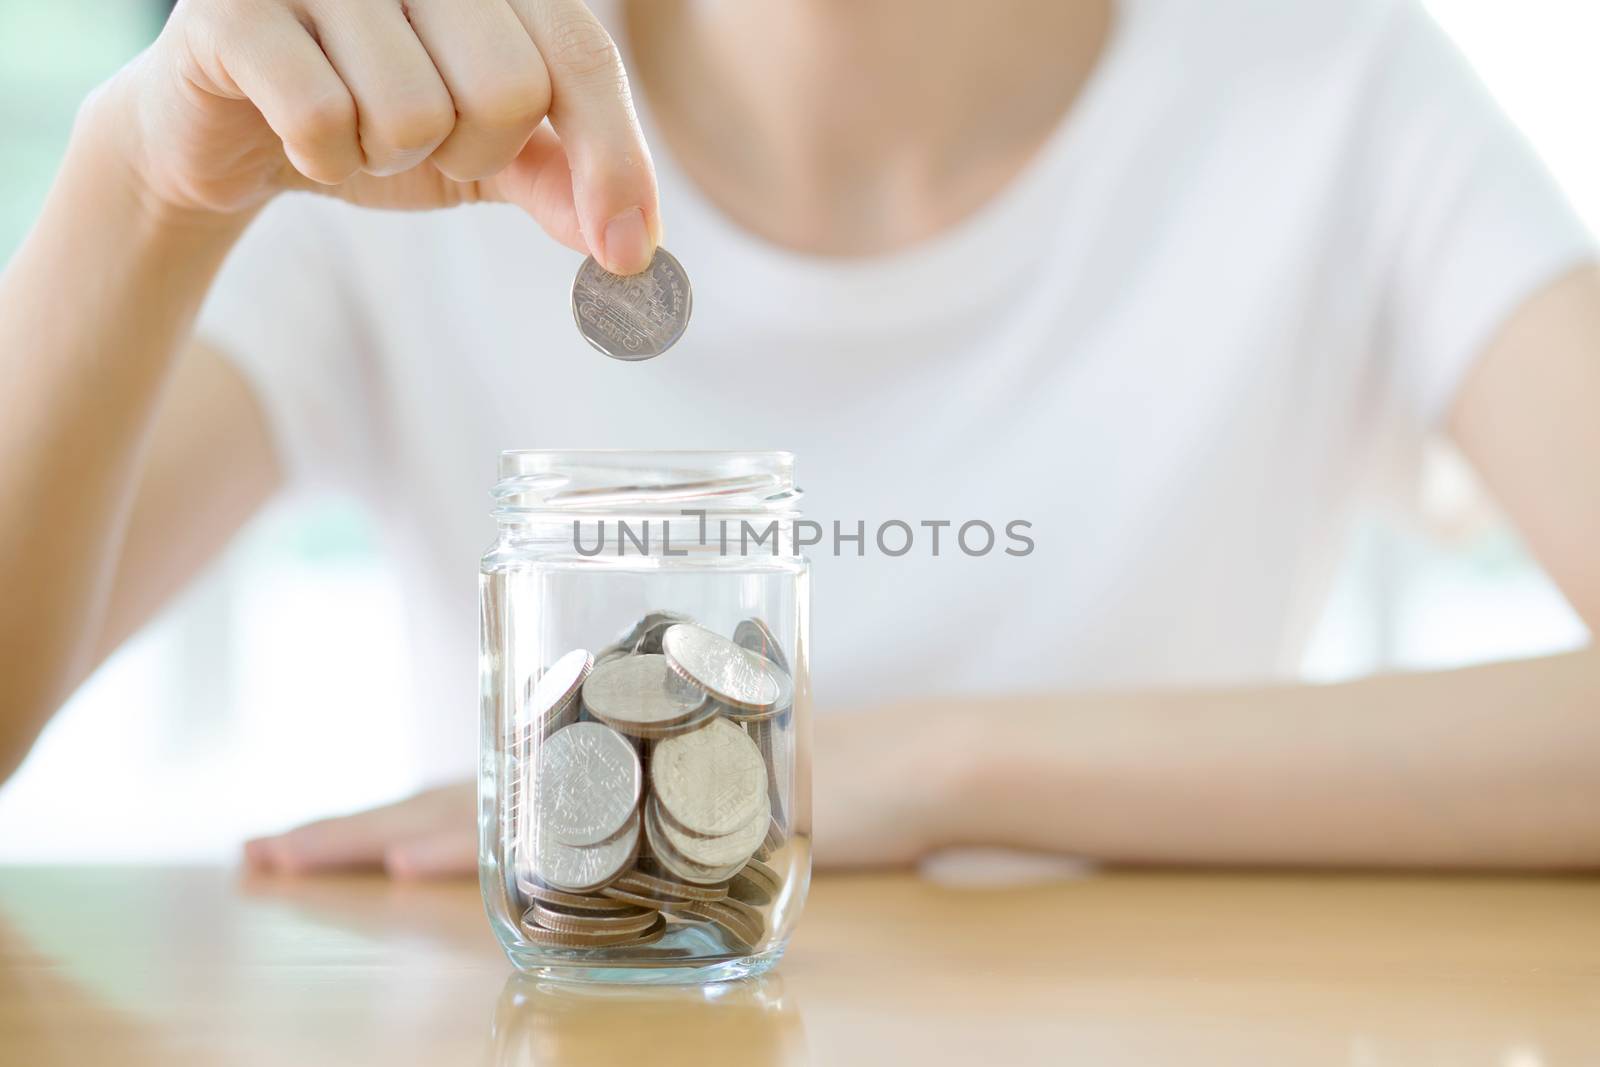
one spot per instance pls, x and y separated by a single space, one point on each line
626 243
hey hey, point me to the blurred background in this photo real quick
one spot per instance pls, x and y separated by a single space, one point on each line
266 695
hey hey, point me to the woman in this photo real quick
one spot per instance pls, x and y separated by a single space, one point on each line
1174 283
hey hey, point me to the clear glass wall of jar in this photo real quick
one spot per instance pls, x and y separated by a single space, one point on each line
644 812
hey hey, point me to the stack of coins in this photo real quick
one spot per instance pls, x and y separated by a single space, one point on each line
658 773
550 702
770 732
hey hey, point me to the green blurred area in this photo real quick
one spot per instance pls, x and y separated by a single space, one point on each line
52 52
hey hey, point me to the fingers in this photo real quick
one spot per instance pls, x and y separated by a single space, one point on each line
539 181
359 841
278 66
331 844
447 854
614 184
379 87
495 77
422 836
404 111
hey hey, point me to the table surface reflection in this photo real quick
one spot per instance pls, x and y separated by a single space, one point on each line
177 966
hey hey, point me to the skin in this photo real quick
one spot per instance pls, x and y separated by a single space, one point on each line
237 101
168 454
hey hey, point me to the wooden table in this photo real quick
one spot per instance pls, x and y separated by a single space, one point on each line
119 966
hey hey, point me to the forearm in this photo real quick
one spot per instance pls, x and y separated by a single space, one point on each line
1495 766
93 309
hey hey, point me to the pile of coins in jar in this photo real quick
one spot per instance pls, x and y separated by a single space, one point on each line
651 785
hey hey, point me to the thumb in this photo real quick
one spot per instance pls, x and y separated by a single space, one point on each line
539 180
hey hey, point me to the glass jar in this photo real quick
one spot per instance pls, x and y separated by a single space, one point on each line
644 812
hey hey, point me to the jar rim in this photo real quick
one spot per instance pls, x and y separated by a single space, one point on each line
516 460
643 482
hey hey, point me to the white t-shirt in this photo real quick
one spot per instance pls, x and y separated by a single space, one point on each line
1248 271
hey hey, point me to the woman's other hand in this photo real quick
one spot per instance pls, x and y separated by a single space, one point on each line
882 778
431 835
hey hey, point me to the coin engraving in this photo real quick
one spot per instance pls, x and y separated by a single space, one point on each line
588 784
581 869
635 316
731 674
640 691
729 849
711 781
679 865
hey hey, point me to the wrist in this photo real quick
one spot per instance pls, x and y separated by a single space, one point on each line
944 778
108 164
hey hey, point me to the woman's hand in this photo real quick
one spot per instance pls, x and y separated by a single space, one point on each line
879 780
425 104
431 835
879 776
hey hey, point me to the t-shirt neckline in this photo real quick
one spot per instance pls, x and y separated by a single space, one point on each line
869 291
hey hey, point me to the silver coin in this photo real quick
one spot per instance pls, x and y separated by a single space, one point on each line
634 921
589 783
733 675
549 703
629 641
756 636
645 879
744 715
775 840
750 917
550 694
755 883
616 891
633 316
611 652
655 627
711 781
640 691
736 918
541 935
674 861
708 711
774 739
580 869
570 901
724 851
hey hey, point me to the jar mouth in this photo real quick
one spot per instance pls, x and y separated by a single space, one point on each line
635 482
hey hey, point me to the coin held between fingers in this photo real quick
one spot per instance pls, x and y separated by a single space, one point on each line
632 317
